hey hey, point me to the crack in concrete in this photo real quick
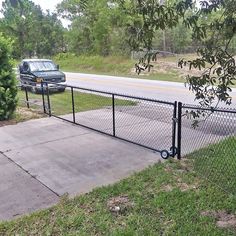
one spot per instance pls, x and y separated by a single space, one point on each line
49 141
28 173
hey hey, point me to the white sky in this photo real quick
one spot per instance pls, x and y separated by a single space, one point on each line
46 5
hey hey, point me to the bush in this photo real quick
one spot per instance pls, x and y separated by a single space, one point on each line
8 88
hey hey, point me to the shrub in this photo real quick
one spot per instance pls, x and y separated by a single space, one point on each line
8 88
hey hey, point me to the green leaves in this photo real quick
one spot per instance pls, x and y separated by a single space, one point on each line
34 33
8 89
213 28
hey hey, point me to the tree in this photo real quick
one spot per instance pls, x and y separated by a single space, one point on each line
98 27
34 33
216 34
8 89
215 27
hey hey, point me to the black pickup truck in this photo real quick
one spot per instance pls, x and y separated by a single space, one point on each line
34 71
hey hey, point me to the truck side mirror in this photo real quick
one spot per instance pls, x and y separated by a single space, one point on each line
58 67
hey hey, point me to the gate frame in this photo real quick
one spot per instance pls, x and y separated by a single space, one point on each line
165 154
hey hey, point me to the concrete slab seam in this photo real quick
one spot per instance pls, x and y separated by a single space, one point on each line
32 176
49 141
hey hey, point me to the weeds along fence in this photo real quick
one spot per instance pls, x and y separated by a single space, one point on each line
206 138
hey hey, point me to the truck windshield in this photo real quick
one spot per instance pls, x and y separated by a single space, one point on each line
42 66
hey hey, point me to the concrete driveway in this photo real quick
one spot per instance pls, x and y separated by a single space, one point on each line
40 160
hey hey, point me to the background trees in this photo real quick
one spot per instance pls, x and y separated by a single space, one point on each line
113 27
107 27
34 33
104 27
97 27
213 26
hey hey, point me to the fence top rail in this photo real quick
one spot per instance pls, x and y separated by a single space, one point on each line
117 94
196 107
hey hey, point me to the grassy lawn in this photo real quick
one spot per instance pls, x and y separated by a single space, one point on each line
218 163
165 68
171 76
111 65
61 103
116 66
167 199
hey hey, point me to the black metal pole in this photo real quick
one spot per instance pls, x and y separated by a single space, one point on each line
174 129
113 115
179 135
27 97
73 103
44 108
48 98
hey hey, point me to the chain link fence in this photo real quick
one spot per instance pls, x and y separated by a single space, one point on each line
209 141
206 137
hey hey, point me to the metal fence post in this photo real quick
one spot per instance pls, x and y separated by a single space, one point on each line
73 103
179 135
44 108
27 97
113 115
174 130
48 98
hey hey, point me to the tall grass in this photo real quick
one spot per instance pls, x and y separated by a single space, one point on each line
115 65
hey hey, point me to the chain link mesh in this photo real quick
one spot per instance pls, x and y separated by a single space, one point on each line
138 120
148 123
209 140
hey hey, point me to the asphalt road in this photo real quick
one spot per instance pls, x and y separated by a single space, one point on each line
160 90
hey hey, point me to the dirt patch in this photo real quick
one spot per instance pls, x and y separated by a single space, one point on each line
182 186
186 165
167 67
173 66
223 218
167 188
27 114
119 204
7 122
185 187
168 169
23 114
37 102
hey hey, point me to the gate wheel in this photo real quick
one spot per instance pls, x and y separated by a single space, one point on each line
173 150
165 154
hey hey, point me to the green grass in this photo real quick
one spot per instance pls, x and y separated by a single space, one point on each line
61 103
218 163
166 199
171 76
111 65
123 66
